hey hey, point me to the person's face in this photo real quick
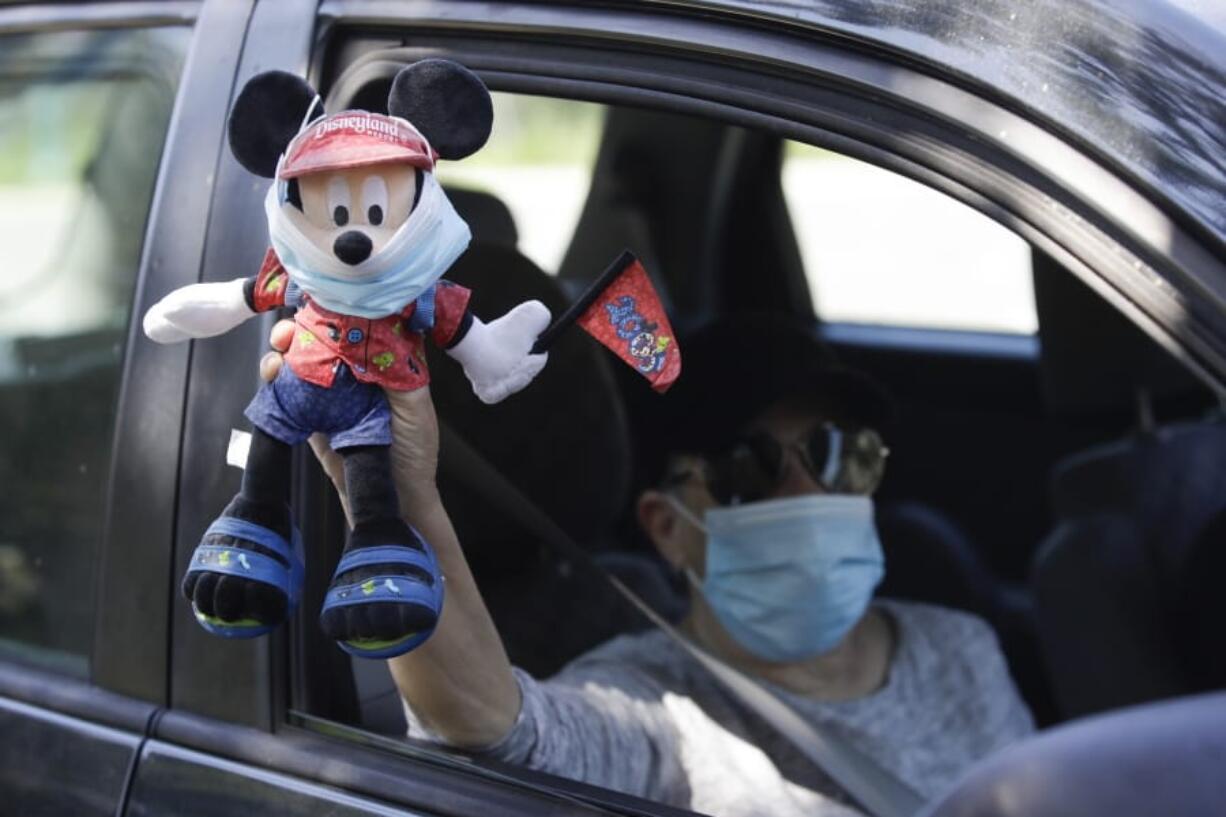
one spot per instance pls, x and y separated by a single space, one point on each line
678 539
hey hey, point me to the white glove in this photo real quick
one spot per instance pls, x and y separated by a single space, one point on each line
497 356
197 311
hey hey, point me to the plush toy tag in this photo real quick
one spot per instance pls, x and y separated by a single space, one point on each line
236 451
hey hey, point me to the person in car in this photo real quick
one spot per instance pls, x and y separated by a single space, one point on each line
763 502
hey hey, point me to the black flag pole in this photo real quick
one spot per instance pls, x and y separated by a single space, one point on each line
546 339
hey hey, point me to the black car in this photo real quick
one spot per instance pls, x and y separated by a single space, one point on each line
1012 215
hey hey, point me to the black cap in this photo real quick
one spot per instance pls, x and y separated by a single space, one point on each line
733 369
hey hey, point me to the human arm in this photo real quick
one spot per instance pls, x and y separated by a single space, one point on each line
460 687
459 682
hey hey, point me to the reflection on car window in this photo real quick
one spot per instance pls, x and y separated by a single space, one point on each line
864 231
82 121
538 162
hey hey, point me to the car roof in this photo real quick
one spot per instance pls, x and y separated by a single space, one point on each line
1142 85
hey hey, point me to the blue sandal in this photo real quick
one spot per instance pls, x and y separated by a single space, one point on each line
388 588
248 564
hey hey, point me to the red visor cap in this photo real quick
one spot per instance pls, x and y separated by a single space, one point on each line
356 139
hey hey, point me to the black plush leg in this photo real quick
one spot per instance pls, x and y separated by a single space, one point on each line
376 521
264 500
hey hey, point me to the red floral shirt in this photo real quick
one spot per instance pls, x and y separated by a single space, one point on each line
379 350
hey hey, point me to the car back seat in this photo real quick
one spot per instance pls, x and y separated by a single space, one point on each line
1111 579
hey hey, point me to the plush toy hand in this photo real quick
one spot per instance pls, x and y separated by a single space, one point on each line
197 311
497 357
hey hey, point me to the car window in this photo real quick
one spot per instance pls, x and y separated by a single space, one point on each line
864 231
550 609
82 119
538 162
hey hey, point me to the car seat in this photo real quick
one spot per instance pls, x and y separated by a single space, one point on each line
1159 759
487 216
1112 580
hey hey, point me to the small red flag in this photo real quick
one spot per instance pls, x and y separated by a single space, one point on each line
627 317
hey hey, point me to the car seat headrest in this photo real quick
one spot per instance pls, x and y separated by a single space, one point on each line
563 440
487 216
1170 482
1093 359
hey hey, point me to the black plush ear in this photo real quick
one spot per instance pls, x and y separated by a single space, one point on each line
266 116
448 103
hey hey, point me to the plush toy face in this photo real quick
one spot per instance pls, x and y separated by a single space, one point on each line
352 213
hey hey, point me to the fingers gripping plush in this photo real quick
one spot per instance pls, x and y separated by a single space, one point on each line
361 236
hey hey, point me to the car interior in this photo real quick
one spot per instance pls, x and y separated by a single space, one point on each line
1064 477
1063 485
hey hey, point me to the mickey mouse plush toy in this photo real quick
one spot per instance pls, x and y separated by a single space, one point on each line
361 234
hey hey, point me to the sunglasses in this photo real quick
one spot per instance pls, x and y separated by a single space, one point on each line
841 461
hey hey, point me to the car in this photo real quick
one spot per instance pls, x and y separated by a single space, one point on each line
1009 214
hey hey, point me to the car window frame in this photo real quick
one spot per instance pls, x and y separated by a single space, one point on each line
919 139
144 499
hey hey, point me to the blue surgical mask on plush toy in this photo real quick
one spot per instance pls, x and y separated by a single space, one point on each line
416 256
789 578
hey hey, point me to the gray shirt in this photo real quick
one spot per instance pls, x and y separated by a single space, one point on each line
639 715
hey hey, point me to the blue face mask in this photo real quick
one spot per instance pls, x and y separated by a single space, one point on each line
417 255
789 578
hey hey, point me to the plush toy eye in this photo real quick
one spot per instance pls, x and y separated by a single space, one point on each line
338 201
374 199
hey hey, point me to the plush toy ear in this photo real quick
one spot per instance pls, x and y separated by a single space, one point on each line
266 117
448 103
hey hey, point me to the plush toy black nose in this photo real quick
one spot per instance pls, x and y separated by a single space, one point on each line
352 247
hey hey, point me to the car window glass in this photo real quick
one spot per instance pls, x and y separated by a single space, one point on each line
881 249
83 116
538 162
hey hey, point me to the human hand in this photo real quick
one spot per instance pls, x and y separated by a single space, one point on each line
414 452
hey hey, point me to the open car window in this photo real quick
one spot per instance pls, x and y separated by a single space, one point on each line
864 231
538 165
586 414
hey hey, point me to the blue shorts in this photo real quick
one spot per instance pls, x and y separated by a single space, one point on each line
350 412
